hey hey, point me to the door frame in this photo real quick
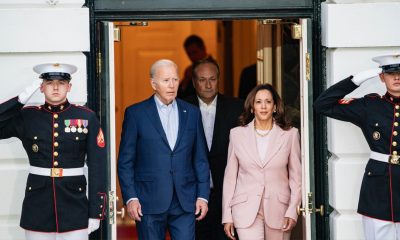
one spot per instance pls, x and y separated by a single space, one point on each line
318 72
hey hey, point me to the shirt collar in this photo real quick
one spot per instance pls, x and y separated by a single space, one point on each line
161 105
212 104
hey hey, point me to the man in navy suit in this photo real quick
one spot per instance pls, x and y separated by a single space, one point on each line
163 168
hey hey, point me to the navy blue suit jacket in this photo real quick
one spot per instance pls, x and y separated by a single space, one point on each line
148 169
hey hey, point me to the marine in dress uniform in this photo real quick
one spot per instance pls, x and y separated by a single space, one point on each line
379 119
58 139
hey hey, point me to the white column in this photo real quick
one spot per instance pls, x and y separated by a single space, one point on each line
353 32
33 32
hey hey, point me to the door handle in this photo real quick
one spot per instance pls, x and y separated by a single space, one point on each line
121 213
320 210
299 210
310 207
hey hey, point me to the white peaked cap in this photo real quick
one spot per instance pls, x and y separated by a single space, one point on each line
50 71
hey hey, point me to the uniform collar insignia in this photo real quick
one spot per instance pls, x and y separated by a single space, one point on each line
56 108
392 98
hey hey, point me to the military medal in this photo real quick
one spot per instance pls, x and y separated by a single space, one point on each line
73 124
67 128
85 124
79 123
35 148
376 135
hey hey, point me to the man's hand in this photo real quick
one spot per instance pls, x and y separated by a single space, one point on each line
288 224
93 225
229 229
365 75
135 210
202 208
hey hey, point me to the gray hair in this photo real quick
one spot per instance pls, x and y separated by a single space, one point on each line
161 63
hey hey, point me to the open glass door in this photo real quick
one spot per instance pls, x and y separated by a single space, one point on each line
284 60
105 66
309 230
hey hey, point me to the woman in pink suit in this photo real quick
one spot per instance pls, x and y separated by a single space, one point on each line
262 182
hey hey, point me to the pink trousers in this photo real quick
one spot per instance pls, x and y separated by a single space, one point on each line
259 230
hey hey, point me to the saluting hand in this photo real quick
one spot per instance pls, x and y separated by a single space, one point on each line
135 210
24 96
202 208
363 76
288 224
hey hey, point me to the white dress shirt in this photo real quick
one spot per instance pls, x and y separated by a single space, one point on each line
208 112
169 117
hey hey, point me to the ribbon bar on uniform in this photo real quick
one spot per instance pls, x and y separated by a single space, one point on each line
56 172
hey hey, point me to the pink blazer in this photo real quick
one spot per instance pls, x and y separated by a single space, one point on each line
247 179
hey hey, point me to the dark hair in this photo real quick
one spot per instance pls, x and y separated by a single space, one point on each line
278 116
194 39
204 61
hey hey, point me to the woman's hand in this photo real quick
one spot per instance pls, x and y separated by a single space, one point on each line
229 230
288 224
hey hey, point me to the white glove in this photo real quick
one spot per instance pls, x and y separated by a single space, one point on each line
93 225
365 75
29 91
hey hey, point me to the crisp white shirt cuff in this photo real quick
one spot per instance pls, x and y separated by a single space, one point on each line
131 199
205 200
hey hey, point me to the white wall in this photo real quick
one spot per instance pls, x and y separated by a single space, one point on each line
353 32
35 32
44 30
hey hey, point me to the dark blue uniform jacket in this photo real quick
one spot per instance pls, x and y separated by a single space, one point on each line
55 137
379 119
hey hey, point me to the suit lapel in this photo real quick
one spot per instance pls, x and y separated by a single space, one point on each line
275 143
154 118
183 115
